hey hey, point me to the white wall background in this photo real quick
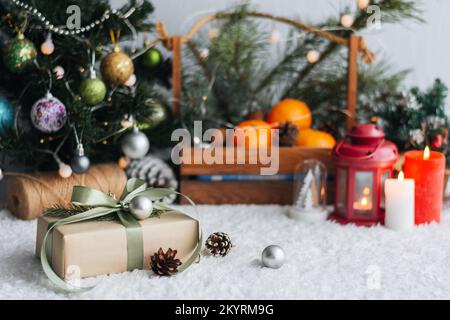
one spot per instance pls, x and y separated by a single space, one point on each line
423 48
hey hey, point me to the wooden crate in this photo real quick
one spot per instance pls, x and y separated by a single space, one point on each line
257 192
247 192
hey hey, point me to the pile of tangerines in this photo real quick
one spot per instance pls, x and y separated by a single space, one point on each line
287 111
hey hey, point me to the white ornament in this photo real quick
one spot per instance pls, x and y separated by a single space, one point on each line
313 56
131 81
65 171
59 72
347 20
363 4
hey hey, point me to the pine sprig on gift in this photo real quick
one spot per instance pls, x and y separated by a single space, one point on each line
59 211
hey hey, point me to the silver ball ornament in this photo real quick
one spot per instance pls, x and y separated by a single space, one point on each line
273 257
135 144
80 164
141 207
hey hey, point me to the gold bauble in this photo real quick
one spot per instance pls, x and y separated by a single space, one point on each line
117 67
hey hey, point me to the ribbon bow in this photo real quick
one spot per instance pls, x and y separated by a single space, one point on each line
102 204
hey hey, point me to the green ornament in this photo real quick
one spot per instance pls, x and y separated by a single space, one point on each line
152 58
20 53
158 114
93 91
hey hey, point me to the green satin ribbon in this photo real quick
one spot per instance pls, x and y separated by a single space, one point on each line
101 205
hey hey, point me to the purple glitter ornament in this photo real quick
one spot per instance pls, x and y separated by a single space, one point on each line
48 114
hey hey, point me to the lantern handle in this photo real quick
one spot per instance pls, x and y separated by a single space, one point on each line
366 157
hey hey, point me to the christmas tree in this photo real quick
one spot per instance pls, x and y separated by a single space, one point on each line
414 119
74 81
304 200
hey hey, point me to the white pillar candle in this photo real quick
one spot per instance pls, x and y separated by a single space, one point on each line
399 195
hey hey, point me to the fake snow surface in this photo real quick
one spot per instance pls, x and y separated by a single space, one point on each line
324 261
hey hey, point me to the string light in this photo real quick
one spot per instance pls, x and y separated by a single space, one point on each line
127 122
58 72
204 53
123 162
48 47
363 4
213 33
313 56
347 20
65 171
275 36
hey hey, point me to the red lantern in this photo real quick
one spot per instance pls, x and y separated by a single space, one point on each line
364 160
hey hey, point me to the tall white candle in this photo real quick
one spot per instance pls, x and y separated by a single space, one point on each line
399 195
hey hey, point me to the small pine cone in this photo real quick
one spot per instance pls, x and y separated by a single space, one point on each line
165 264
288 134
218 244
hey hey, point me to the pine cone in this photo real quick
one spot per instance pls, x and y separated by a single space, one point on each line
165 264
155 172
218 244
288 134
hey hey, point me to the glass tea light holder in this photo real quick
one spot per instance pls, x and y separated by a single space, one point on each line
309 198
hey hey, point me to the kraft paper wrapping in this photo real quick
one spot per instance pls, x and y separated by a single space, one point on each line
27 196
94 248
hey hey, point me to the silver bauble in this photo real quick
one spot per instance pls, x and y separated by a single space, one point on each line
141 207
80 164
135 144
273 257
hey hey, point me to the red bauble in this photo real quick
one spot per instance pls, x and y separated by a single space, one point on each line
438 142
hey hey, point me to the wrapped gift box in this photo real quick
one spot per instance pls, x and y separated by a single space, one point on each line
100 247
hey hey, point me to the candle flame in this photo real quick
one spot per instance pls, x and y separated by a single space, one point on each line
426 153
401 176
364 202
